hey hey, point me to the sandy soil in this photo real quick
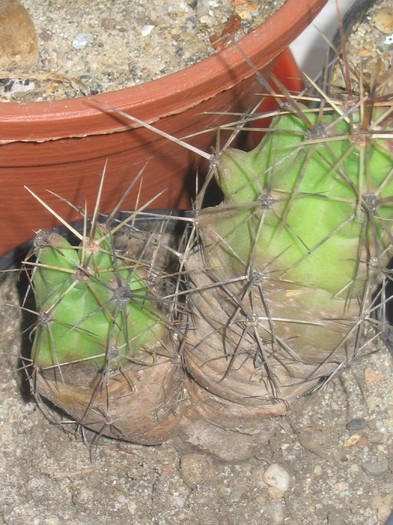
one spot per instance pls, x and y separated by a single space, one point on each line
335 448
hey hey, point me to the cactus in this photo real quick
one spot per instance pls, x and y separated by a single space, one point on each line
286 285
104 332
95 308
293 261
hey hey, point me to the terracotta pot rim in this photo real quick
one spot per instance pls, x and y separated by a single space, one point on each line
82 116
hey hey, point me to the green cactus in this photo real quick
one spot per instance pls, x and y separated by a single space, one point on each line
317 206
295 253
286 285
94 306
103 346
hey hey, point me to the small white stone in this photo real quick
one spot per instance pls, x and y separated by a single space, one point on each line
276 476
389 40
81 40
147 29
178 500
318 471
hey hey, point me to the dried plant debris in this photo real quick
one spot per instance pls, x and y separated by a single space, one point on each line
17 88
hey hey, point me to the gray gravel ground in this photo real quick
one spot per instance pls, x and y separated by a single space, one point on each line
117 44
335 449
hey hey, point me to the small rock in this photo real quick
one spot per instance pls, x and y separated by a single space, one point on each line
275 493
353 440
383 20
276 476
46 35
18 38
196 469
376 467
315 440
355 424
363 442
354 469
383 505
372 377
318 470
108 23
81 40
342 488
147 29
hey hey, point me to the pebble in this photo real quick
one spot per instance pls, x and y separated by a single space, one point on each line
383 505
196 469
376 467
108 23
276 476
315 440
383 20
318 470
81 40
357 423
147 29
275 493
371 377
18 38
389 40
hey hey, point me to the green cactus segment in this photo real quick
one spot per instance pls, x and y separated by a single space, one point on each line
310 205
93 308
58 261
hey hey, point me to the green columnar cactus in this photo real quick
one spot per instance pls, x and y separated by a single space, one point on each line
292 260
321 203
103 349
94 307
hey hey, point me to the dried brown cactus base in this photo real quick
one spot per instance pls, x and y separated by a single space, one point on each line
138 404
239 383
244 351
224 404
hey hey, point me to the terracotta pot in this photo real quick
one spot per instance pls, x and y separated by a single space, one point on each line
63 146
